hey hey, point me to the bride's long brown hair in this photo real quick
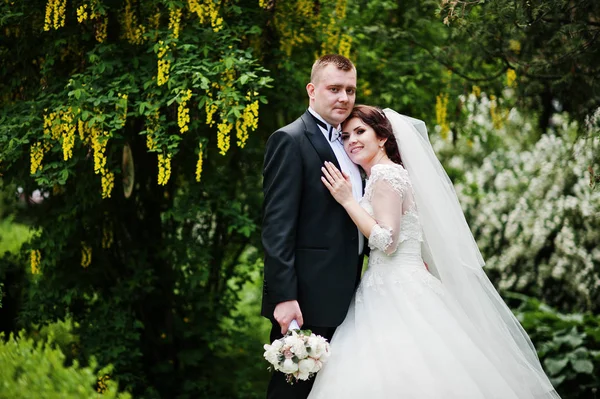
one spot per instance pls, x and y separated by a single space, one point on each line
376 119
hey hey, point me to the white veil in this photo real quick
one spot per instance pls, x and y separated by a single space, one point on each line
453 256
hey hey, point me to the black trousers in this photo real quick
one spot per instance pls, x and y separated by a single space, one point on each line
278 387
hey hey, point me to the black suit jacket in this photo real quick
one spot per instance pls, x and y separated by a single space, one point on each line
310 242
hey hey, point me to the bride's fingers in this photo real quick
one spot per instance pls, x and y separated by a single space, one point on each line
326 183
328 175
333 170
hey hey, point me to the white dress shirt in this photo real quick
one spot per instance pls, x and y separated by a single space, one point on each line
347 166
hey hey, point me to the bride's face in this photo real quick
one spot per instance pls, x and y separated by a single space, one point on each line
361 143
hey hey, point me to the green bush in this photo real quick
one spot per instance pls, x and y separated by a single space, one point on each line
38 370
567 344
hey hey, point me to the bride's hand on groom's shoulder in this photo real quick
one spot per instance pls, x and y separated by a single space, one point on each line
338 183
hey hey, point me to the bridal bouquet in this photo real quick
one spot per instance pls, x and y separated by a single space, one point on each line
300 354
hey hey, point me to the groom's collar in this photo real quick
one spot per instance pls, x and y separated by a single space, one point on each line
331 133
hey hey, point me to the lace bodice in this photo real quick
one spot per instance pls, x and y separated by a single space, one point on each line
389 199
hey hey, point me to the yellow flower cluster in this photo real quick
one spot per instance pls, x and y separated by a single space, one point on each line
102 384
101 27
248 120
86 254
55 14
108 183
164 66
223 130
497 117
199 163
154 22
263 4
511 77
183 112
151 127
441 111
210 107
82 14
207 10
515 46
121 105
476 90
36 258
37 155
345 45
174 21
164 169
68 133
132 31
99 141
291 36
333 41
107 236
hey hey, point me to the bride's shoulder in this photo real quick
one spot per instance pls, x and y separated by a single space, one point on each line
394 174
388 170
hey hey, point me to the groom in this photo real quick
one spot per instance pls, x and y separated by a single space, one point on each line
313 250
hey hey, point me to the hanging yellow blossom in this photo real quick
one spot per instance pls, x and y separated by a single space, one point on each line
263 4
102 384
37 155
164 66
68 133
345 45
223 130
248 120
183 112
441 111
164 169
515 46
55 14
108 183
216 22
99 141
100 29
81 129
199 164
496 117
476 90
82 14
121 105
151 128
36 258
132 31
86 254
211 108
174 21
511 77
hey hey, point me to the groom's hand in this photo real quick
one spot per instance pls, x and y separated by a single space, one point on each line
287 311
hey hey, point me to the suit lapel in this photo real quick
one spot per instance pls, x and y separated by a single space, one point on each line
318 140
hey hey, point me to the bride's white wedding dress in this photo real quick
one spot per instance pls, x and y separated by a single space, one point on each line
404 335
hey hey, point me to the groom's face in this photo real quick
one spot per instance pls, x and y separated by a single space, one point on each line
332 93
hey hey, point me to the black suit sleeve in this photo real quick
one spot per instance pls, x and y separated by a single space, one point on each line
282 186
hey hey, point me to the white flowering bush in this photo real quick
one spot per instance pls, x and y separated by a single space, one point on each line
530 201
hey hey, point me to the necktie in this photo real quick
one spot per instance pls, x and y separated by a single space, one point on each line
334 134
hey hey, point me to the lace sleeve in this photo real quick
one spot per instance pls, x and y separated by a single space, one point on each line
387 193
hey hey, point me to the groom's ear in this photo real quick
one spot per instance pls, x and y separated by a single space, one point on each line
310 89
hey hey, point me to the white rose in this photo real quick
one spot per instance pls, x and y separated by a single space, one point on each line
289 366
303 376
299 349
306 365
277 344
272 355
316 348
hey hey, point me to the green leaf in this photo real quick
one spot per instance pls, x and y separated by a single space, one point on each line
583 366
555 366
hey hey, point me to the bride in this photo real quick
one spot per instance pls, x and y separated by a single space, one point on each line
425 321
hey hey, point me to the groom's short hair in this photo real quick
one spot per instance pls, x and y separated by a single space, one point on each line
339 61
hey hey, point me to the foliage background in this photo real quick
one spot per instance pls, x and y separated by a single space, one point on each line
164 285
